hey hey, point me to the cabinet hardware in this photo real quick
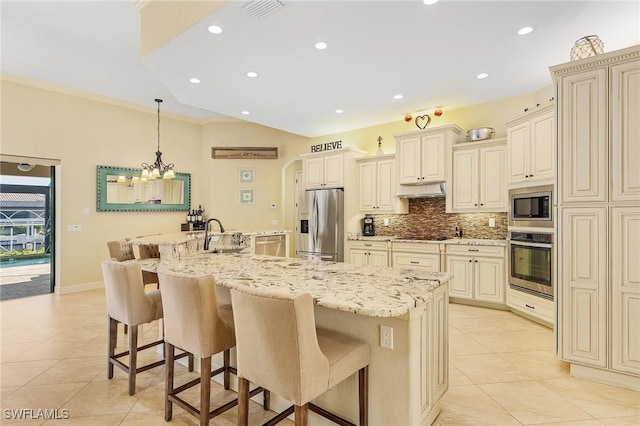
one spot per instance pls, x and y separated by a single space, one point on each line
482 204
476 261
476 204
529 306
470 261
414 262
367 245
474 249
526 176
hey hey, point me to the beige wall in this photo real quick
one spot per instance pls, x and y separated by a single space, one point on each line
83 131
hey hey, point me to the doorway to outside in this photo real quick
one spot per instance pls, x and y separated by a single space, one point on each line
26 230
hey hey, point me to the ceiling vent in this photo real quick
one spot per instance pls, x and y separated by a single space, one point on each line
261 8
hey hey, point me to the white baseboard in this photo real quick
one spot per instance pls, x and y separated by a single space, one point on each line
79 287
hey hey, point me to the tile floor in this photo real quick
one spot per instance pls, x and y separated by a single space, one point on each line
503 372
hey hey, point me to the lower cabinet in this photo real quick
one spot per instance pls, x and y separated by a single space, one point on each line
478 272
424 256
373 253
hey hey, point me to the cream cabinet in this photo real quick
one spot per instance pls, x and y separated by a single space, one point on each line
377 186
531 147
535 307
422 155
479 178
598 188
479 272
369 253
324 171
424 256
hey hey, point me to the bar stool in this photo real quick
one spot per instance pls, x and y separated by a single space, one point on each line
122 250
279 348
194 322
128 303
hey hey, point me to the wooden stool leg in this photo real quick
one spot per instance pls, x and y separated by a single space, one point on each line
226 361
301 415
205 390
363 385
133 358
169 354
243 402
190 358
113 341
266 400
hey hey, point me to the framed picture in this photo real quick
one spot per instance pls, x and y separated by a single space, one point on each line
247 196
245 153
246 175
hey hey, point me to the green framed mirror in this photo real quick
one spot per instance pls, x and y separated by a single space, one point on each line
120 189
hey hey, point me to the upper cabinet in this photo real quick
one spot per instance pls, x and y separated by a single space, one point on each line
324 171
377 185
531 147
478 181
422 154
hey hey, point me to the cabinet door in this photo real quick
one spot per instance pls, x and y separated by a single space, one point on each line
313 172
542 148
367 186
583 137
583 277
461 285
489 279
358 257
378 258
625 131
334 171
410 169
518 137
465 175
493 182
386 185
625 289
433 164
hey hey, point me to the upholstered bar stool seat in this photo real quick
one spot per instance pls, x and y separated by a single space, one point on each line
194 322
128 303
280 349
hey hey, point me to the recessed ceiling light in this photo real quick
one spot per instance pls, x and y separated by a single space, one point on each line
194 80
252 74
398 96
321 45
429 2
482 75
245 112
214 29
525 30
339 111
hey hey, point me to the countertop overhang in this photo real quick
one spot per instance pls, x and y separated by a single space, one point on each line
458 241
364 290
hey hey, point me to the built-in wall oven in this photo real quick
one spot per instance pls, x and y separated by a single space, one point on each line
531 262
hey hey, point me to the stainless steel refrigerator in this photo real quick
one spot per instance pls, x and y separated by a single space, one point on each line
321 227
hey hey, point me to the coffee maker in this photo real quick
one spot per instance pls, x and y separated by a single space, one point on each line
368 230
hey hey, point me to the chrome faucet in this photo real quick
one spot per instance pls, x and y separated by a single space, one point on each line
206 232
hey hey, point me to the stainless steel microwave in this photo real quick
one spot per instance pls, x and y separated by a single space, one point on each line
531 207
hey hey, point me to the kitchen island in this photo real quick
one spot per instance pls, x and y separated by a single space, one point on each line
406 381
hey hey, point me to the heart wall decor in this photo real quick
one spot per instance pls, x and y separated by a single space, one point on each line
425 118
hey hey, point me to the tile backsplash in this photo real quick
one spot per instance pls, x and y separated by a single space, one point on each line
427 219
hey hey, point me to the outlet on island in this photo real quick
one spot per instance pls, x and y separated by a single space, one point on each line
386 337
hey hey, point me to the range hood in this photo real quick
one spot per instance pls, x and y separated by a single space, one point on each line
422 191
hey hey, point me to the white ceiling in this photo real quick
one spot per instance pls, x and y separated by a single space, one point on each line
430 54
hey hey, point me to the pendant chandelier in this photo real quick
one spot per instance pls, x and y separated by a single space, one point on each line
158 169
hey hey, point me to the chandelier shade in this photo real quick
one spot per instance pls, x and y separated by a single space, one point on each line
157 169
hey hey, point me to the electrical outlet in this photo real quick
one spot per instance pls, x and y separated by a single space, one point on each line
274 222
74 228
386 222
386 337
492 222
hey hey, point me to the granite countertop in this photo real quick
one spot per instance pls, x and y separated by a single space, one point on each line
183 237
365 290
459 241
